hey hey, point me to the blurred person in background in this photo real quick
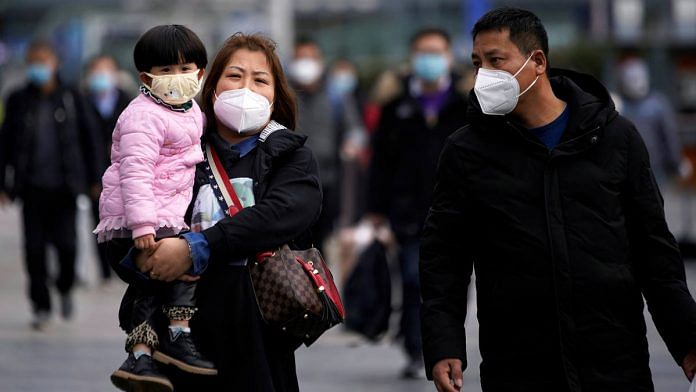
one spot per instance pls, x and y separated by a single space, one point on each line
548 195
653 116
49 143
385 88
413 127
343 80
655 119
326 122
342 83
105 102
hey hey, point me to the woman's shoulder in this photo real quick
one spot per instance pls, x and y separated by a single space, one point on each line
282 142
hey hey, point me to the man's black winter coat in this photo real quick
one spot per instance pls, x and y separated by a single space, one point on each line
405 153
565 245
80 154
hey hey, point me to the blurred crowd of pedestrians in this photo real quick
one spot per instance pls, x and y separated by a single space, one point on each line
377 147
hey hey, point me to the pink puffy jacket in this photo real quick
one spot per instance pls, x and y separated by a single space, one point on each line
153 163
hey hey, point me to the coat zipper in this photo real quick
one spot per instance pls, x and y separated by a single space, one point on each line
547 195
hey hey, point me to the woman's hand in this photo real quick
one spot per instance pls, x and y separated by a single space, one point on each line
169 260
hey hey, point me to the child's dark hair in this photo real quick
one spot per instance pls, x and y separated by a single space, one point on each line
167 45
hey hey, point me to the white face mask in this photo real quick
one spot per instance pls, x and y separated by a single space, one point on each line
498 91
635 80
305 71
242 110
175 89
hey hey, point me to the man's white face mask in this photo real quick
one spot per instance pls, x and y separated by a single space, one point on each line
498 91
305 71
635 79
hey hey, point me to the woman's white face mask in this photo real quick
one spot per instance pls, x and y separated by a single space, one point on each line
498 91
242 110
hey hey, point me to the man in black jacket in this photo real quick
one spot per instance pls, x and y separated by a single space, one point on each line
412 130
50 148
548 194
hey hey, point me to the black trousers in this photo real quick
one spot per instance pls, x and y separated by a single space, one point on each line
410 286
49 218
144 298
104 266
330 206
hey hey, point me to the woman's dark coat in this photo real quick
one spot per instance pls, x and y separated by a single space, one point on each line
565 244
250 355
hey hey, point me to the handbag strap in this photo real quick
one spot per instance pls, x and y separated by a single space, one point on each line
218 178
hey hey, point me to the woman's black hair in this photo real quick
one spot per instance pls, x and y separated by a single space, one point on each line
167 45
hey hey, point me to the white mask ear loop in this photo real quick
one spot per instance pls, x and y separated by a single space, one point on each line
520 70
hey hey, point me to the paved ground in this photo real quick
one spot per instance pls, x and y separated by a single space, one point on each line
78 356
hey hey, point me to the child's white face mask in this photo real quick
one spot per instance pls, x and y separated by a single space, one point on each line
175 89
498 91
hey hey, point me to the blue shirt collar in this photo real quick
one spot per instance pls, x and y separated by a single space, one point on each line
246 146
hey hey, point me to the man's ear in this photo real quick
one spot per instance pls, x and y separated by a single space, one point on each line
201 72
540 63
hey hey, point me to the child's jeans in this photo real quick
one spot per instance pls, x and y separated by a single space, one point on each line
146 300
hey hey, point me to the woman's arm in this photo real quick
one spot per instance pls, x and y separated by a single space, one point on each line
290 206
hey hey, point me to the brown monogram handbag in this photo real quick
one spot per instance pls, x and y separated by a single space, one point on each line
296 292
294 289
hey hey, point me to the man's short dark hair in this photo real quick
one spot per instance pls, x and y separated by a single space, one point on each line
526 30
430 31
304 40
167 45
42 44
101 56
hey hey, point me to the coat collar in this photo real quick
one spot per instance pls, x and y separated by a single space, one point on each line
591 109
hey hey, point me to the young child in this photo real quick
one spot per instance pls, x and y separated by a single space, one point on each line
146 191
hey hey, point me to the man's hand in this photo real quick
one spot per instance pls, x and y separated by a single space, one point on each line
4 200
689 365
447 375
375 219
145 242
170 260
95 191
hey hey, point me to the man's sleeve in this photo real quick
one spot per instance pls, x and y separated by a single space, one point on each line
445 266
669 135
90 145
8 133
379 176
655 255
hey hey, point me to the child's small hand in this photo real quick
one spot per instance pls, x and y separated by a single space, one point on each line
145 242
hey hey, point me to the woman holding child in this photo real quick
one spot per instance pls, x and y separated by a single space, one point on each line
250 111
